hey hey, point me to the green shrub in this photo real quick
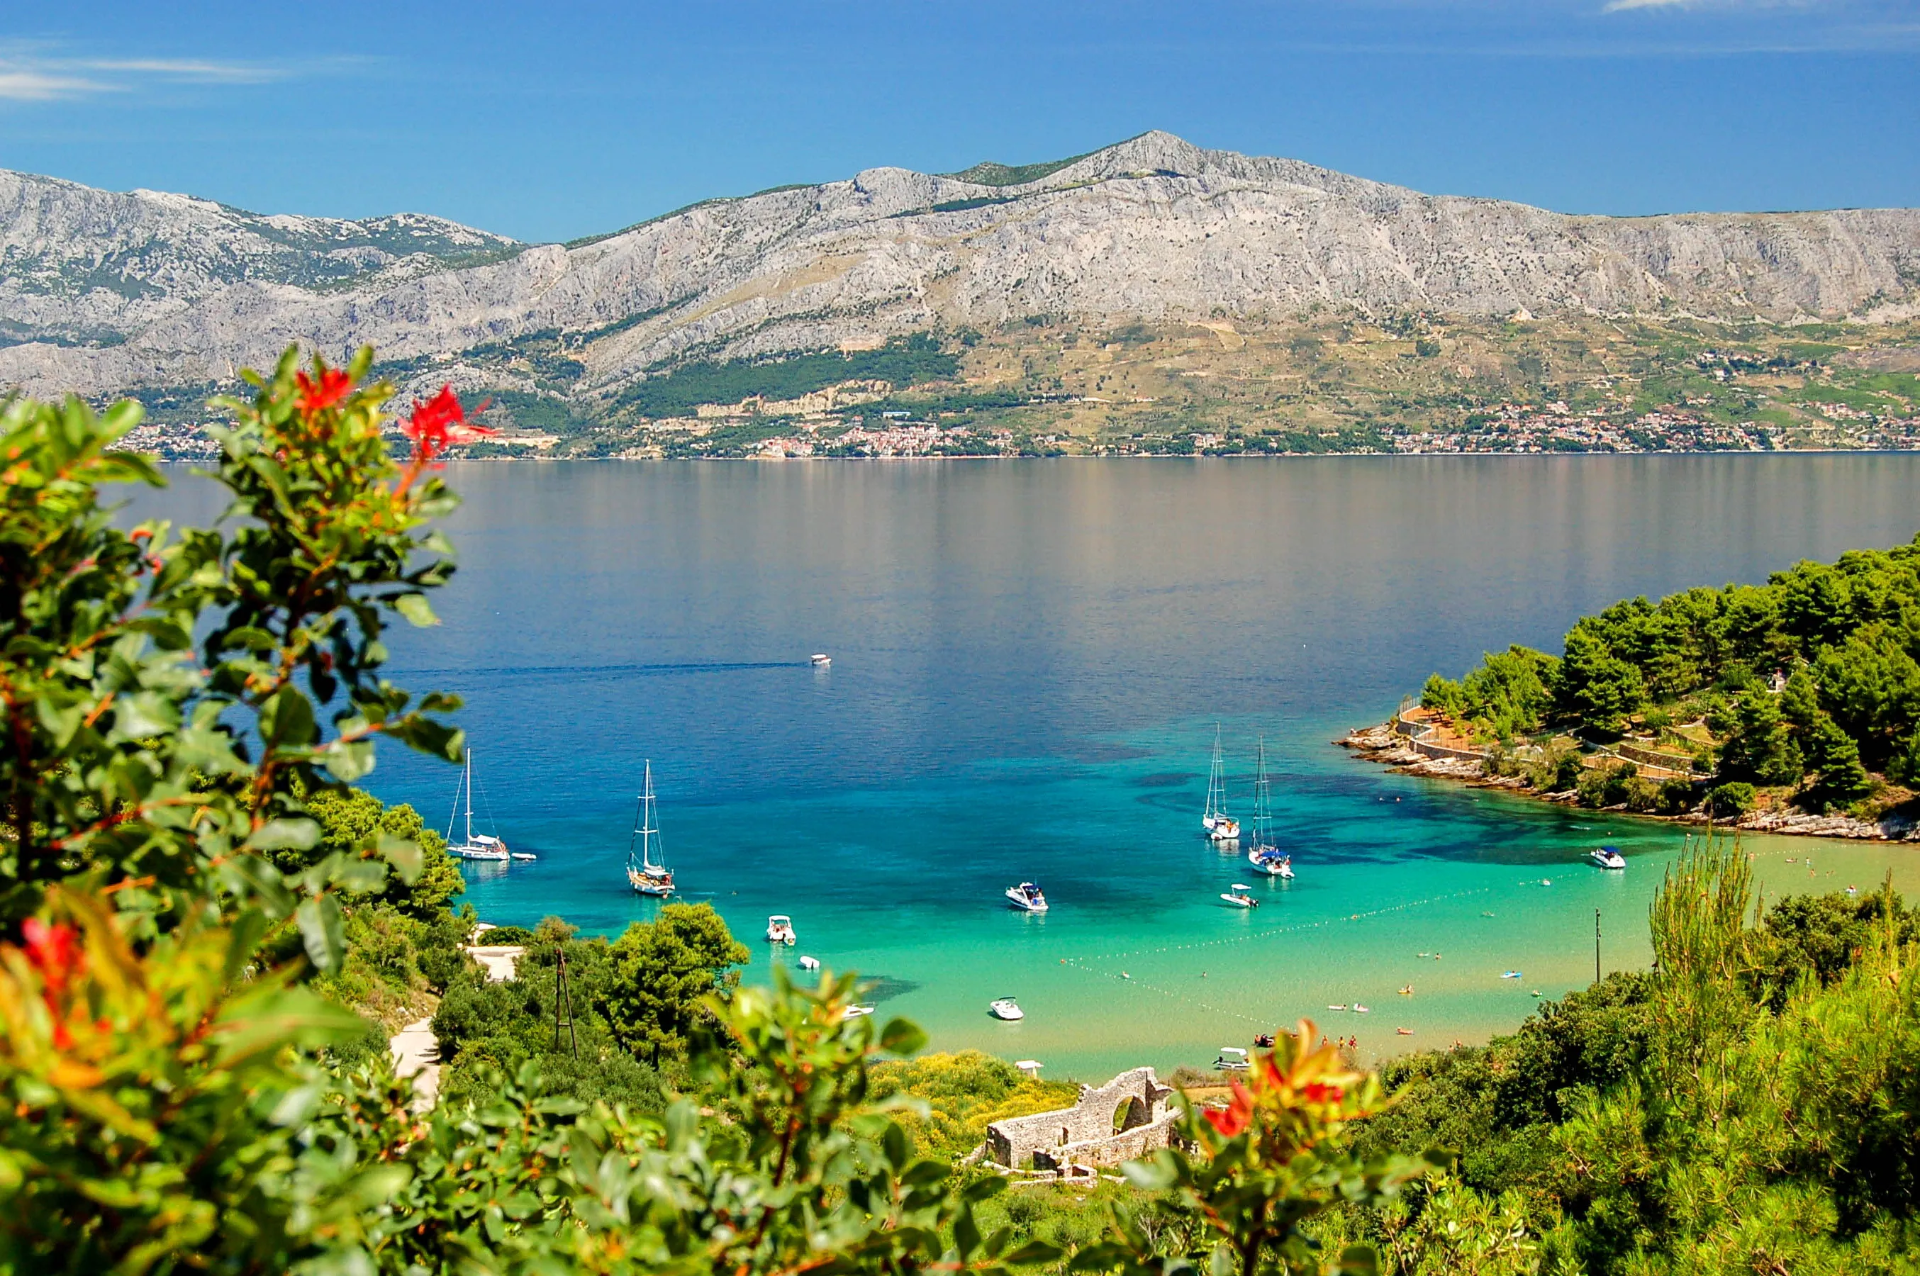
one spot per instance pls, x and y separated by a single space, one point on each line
1732 800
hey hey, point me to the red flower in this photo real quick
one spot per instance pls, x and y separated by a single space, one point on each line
332 387
1236 1116
1318 1093
439 423
54 951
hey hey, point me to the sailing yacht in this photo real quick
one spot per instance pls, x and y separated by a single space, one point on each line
646 875
1265 856
477 846
1220 826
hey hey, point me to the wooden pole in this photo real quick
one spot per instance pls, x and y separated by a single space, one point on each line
564 998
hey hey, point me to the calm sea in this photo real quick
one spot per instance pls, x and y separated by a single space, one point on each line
1029 659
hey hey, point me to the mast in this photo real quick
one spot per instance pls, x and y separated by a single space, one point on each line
1262 801
1215 781
648 832
453 816
469 797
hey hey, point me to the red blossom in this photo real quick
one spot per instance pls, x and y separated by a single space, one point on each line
440 423
1319 1093
53 950
1236 1116
332 386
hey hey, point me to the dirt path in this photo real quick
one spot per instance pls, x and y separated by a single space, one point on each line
416 1054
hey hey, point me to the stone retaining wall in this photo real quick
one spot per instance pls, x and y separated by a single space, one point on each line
1678 763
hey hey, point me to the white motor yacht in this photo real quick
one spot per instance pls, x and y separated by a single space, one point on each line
1239 896
1607 857
1028 895
780 929
1005 1008
820 660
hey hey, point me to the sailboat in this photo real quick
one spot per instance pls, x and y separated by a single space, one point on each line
1265 856
1220 826
477 846
646 875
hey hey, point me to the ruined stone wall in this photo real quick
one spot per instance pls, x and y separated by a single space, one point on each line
1084 1133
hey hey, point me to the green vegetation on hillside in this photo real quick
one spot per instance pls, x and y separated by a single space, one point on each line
1806 688
902 361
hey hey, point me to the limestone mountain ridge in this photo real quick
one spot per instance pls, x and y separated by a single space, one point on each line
103 292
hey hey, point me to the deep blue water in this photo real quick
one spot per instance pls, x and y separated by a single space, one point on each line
1028 661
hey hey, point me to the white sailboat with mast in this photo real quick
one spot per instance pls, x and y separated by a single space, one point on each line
476 846
1265 856
649 874
1220 826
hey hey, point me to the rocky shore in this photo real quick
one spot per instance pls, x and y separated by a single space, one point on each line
1382 744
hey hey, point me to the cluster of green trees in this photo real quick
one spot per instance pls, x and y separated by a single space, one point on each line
901 362
1810 682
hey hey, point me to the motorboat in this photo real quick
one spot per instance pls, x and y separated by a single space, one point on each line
1239 897
809 963
1232 1059
857 1012
1341 1006
1027 895
1005 1008
1359 1009
476 846
1220 826
648 872
780 929
1511 974
1607 857
820 660
1265 856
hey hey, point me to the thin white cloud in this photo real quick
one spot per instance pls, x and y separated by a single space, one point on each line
36 74
1616 6
21 84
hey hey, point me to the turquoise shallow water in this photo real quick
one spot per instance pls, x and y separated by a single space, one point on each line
1028 662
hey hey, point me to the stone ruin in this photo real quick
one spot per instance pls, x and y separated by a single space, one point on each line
1122 1120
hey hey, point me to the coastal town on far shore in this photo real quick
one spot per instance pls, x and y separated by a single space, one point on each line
1511 429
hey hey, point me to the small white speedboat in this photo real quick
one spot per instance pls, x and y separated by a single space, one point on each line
1005 1008
858 1012
780 929
1606 857
809 963
820 660
1272 861
1029 896
1239 897
1232 1059
525 855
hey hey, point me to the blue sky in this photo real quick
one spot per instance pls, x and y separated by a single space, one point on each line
552 121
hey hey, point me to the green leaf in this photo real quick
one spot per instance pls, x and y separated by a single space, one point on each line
409 860
321 931
294 1017
1150 1176
285 835
287 719
1035 1252
348 761
414 607
902 1036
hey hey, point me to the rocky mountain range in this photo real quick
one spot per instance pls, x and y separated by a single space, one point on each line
104 292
